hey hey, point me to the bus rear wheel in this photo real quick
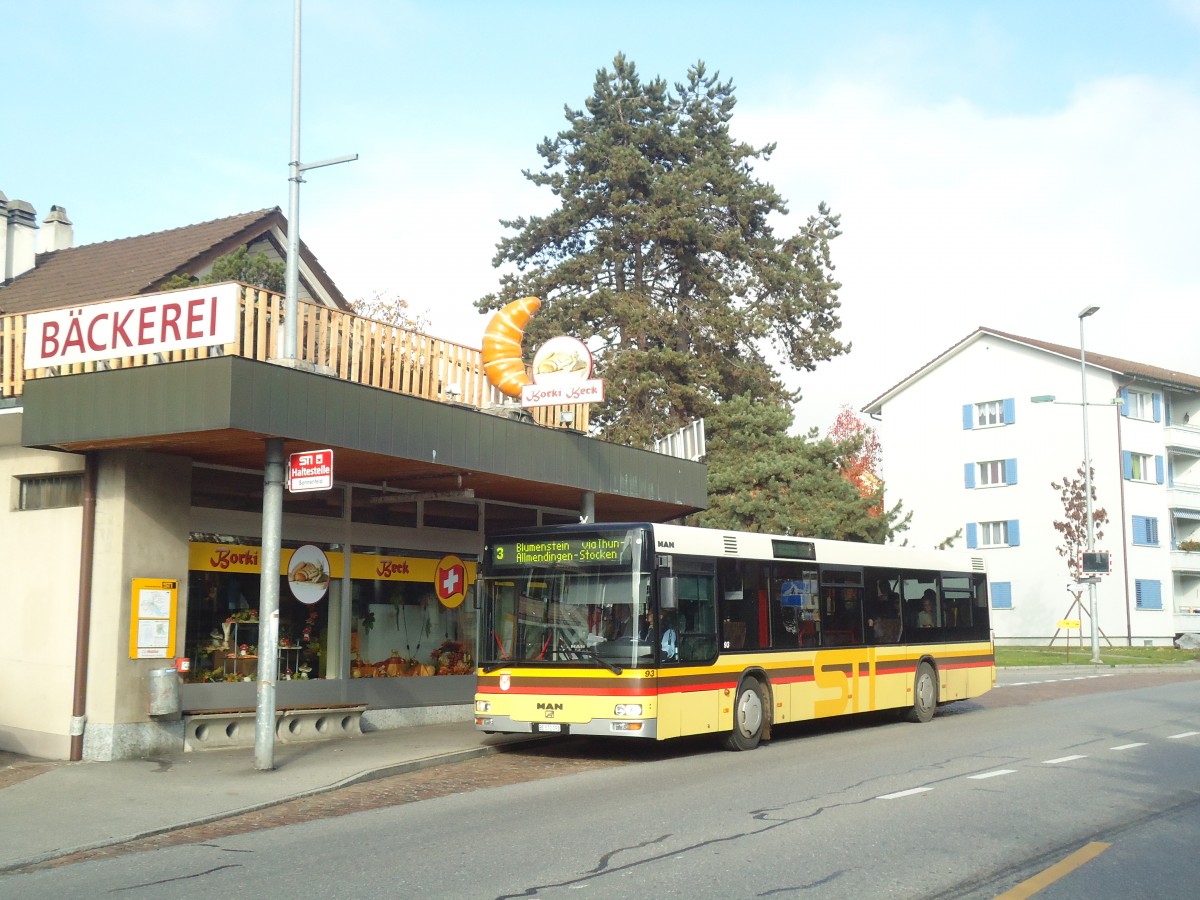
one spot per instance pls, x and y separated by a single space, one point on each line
748 717
925 695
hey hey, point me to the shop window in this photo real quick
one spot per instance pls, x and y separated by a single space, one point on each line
49 491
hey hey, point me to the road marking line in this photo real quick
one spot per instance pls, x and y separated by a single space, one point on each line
1062 759
1044 879
1128 746
992 774
1184 734
907 793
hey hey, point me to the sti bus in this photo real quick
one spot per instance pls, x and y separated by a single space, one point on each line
660 631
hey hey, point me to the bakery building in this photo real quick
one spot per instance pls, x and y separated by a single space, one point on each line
133 428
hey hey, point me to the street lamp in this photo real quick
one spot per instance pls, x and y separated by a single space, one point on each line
1087 484
1089 579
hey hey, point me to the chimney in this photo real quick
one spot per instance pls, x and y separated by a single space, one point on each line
3 237
58 233
20 239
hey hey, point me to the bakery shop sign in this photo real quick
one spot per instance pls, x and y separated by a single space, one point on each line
156 323
562 367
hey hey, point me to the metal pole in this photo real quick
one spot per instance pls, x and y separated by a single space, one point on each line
268 607
292 271
1087 482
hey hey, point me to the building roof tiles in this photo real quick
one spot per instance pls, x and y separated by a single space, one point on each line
141 264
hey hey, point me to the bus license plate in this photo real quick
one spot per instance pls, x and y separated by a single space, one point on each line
548 728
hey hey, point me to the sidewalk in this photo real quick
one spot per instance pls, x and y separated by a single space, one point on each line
73 806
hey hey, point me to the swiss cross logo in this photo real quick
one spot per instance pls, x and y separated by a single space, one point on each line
450 581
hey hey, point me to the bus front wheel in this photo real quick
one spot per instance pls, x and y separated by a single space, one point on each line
749 713
925 694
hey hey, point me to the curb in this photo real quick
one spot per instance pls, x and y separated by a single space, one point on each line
363 777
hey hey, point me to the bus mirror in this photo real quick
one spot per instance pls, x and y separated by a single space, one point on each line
668 591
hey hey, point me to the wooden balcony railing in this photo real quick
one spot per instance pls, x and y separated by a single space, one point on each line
352 348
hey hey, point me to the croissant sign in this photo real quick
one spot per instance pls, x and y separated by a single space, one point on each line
562 367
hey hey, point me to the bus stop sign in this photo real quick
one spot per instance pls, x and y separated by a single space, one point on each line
311 470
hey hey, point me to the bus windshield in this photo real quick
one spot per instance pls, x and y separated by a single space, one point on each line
581 597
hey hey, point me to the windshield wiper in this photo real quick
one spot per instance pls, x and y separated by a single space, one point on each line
590 653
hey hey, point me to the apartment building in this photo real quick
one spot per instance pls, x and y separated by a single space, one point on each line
973 455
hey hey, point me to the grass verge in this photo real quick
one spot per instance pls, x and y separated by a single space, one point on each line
1060 655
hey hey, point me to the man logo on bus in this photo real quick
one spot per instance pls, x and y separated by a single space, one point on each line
450 582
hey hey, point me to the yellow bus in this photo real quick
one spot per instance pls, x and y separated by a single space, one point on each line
659 631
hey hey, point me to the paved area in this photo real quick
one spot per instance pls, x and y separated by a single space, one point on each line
48 809
53 810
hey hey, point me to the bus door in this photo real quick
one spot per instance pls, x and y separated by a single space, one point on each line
687 704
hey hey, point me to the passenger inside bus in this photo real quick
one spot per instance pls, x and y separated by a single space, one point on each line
885 624
622 622
927 617
669 638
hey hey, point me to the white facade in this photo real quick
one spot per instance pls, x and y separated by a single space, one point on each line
969 452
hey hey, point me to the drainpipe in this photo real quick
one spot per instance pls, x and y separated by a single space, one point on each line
83 624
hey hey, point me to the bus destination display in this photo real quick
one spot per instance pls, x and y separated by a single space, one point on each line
589 551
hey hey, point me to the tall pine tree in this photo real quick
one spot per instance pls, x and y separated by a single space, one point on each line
662 255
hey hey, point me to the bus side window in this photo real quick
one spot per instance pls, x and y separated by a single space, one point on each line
697 618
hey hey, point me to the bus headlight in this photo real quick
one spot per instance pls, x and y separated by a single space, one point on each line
627 709
483 706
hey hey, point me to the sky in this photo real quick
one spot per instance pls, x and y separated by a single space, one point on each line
999 164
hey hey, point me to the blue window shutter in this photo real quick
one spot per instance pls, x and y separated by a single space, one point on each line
969 474
1139 530
1149 593
1001 595
972 536
1158 469
1125 401
968 416
1170 473
1157 407
1010 471
1152 530
1010 411
1014 533
1127 464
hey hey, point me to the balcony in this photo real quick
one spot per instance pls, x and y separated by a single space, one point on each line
1183 439
340 344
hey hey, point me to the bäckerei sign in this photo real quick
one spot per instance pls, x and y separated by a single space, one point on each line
156 323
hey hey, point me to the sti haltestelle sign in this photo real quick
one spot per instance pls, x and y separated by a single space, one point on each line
156 323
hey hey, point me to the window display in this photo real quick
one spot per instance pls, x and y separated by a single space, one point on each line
407 612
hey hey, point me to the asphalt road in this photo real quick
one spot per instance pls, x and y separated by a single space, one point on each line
1091 779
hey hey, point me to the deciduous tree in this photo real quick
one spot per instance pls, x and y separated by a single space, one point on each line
1073 525
861 455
